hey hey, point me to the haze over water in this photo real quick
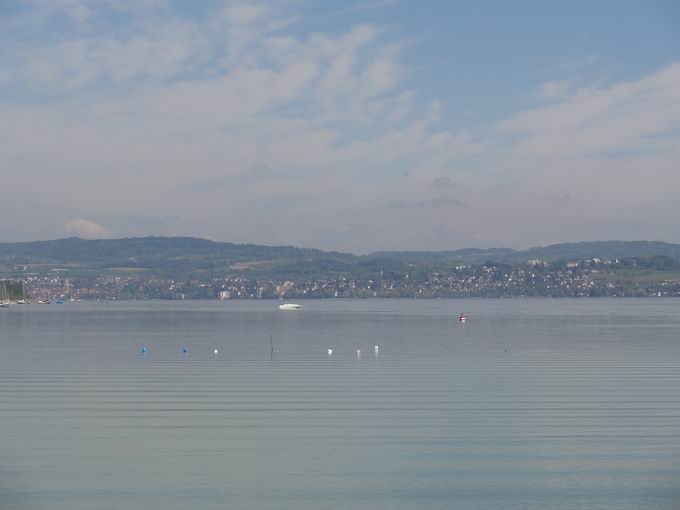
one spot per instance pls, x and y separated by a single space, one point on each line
532 404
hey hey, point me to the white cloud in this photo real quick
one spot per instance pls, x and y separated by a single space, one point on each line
171 117
86 229
625 116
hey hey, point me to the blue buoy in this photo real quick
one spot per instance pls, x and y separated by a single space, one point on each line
185 350
144 350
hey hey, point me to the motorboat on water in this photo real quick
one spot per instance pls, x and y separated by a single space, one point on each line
289 306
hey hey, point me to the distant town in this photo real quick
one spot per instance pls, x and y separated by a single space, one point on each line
582 278
192 268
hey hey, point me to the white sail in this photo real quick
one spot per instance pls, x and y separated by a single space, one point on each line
4 295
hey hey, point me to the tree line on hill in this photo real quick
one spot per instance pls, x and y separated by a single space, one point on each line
185 258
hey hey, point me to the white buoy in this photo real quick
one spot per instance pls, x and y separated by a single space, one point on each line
358 352
330 351
216 351
376 349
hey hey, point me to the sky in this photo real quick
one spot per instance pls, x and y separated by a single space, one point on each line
354 126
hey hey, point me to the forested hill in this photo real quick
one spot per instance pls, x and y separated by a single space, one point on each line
555 252
186 256
75 249
167 255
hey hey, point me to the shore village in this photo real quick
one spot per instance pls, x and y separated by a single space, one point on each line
592 277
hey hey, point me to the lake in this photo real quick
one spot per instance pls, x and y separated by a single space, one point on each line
531 404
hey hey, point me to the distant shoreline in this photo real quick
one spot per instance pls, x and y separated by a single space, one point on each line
173 268
358 298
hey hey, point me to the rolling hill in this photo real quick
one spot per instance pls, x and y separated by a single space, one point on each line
555 252
186 256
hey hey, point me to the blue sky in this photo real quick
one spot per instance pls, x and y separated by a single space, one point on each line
356 126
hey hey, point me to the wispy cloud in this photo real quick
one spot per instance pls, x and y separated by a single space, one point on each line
552 90
448 202
597 122
114 110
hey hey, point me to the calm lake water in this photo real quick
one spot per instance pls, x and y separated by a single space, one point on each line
532 404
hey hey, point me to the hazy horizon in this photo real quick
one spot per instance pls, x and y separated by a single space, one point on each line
359 126
520 249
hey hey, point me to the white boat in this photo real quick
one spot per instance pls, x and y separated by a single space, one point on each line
290 306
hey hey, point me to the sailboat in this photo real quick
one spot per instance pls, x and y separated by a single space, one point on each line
4 295
24 300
